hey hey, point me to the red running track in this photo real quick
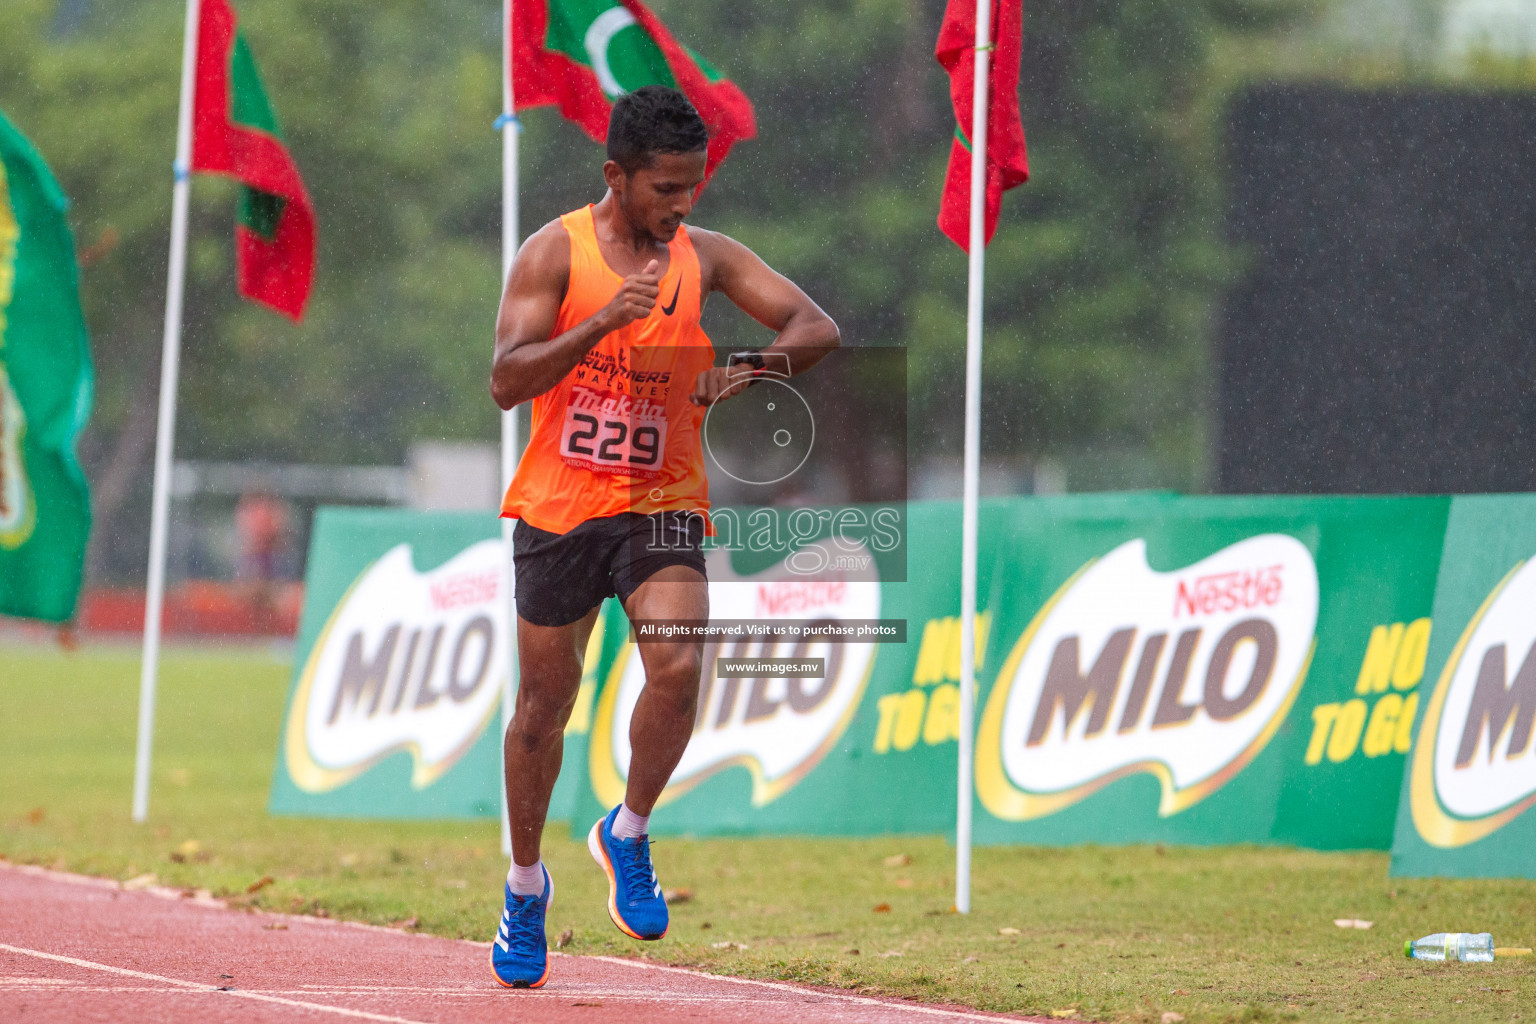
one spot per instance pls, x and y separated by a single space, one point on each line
76 949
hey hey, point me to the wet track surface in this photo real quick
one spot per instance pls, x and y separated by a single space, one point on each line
75 949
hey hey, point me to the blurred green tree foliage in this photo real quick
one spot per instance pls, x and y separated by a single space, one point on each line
1101 284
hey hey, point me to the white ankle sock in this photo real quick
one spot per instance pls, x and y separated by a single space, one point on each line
629 825
527 881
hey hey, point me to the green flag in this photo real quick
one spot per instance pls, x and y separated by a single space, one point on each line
45 392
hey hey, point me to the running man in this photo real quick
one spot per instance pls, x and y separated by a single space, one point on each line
599 328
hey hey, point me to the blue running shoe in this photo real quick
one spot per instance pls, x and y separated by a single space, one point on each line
634 896
520 953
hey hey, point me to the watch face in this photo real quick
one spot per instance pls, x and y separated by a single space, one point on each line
762 435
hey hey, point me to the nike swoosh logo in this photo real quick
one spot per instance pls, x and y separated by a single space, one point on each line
667 309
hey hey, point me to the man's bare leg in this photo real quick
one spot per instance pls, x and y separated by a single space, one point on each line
549 675
663 720
658 733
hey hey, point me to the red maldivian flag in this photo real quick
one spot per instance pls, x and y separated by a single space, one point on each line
1007 163
235 134
583 54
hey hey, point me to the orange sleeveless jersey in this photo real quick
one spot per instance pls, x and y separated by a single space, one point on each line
618 433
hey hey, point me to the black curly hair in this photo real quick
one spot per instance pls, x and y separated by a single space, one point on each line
653 119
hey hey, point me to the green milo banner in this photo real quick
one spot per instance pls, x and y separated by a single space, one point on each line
1210 670
1151 668
399 668
1471 779
1196 670
45 392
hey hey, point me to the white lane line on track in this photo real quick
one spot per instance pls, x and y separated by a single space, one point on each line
898 1007
212 989
543 995
555 989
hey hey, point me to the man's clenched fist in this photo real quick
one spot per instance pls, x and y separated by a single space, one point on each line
635 299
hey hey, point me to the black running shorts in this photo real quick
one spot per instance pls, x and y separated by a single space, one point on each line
559 577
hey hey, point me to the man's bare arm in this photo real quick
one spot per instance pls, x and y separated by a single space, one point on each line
528 362
806 334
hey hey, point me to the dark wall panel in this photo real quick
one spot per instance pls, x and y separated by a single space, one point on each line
1384 336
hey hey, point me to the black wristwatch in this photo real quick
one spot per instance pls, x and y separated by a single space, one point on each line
752 359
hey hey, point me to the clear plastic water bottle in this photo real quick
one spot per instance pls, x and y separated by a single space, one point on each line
1462 946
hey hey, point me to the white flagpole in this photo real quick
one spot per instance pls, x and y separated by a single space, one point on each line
510 127
972 477
170 361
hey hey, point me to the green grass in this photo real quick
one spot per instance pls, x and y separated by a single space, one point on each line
1236 934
